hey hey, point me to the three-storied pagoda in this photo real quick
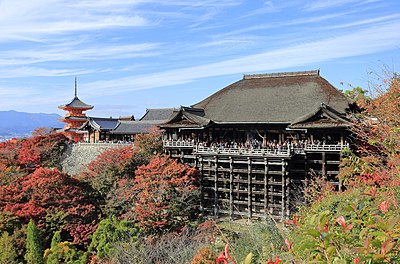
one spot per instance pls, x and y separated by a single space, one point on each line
259 139
74 117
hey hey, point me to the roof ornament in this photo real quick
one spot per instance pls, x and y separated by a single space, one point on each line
76 88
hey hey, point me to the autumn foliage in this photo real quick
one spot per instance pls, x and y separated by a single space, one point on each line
42 151
54 200
112 174
377 137
165 194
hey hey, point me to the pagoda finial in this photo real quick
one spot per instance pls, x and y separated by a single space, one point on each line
76 88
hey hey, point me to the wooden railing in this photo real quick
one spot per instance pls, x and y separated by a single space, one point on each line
326 147
105 144
241 151
178 143
249 151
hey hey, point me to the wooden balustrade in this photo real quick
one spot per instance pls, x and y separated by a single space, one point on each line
250 151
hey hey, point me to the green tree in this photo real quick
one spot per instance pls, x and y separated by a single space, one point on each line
110 232
51 255
8 254
34 251
357 94
63 252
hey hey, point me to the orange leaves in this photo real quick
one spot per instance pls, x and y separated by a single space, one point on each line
384 206
224 257
293 221
41 151
53 200
165 194
342 222
114 160
289 244
277 261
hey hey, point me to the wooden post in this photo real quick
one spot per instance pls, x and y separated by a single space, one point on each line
230 187
216 186
283 190
323 168
201 184
287 189
265 187
249 192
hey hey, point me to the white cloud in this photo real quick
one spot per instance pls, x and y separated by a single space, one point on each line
362 42
72 52
318 5
25 19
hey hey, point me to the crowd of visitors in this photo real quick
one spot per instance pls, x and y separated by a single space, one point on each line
251 144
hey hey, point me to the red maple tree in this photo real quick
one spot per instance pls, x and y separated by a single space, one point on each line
55 201
165 194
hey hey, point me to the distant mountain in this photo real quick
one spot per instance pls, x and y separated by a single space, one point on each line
18 124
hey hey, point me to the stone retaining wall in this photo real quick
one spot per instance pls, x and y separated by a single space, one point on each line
78 156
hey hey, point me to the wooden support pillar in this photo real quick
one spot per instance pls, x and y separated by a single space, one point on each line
216 186
201 184
230 187
287 189
249 191
323 168
266 168
283 201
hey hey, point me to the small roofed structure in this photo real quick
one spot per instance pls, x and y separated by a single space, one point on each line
98 128
74 117
124 129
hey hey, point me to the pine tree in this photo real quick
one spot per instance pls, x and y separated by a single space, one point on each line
8 254
34 251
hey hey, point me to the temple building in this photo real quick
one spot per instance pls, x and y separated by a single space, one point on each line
259 140
74 117
123 129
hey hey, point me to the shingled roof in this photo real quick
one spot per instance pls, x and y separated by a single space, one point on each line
272 98
77 104
158 114
134 127
101 123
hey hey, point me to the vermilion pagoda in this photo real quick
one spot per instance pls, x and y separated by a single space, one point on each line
74 117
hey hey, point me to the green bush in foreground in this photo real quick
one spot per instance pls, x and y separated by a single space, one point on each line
349 227
109 234
8 254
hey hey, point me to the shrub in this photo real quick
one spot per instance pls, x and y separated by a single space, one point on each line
63 252
8 253
354 226
111 232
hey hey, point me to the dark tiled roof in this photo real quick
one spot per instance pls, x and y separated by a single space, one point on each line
134 127
76 103
187 117
101 123
158 114
323 117
75 118
272 98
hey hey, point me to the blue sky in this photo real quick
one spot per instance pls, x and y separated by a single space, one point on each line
130 55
